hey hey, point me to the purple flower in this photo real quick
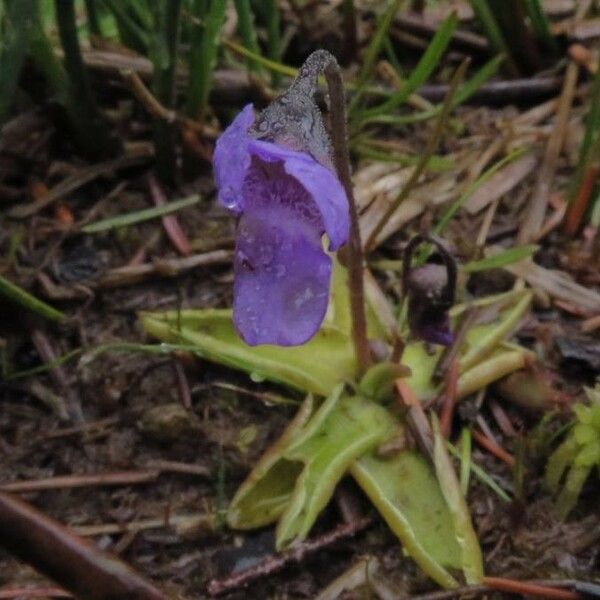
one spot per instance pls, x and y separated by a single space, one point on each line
428 305
286 196
430 290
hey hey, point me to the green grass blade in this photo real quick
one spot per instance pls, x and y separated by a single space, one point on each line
502 259
98 142
540 23
93 20
141 215
247 31
480 474
465 460
492 31
426 65
456 205
132 34
15 40
463 94
140 11
203 56
373 51
19 296
165 43
424 159
273 66
273 36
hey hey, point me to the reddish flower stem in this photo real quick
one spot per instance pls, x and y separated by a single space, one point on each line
341 157
577 208
324 62
493 448
513 586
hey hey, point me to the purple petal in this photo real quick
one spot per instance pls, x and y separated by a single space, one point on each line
433 328
281 287
231 160
320 183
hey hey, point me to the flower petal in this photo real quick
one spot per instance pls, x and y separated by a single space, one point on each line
321 183
281 287
430 325
231 160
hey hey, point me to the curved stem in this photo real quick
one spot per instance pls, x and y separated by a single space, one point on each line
341 157
318 62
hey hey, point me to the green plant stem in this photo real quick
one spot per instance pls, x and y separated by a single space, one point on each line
203 53
373 50
97 143
273 36
494 34
92 17
166 41
45 59
420 168
131 32
247 31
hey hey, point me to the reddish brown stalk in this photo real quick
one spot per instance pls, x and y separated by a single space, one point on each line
482 591
578 206
449 398
170 222
513 586
498 451
341 157
72 562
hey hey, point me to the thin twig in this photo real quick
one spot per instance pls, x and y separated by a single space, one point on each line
276 562
163 267
46 351
170 222
76 481
156 109
73 563
534 218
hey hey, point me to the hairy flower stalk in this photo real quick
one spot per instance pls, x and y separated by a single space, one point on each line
277 172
